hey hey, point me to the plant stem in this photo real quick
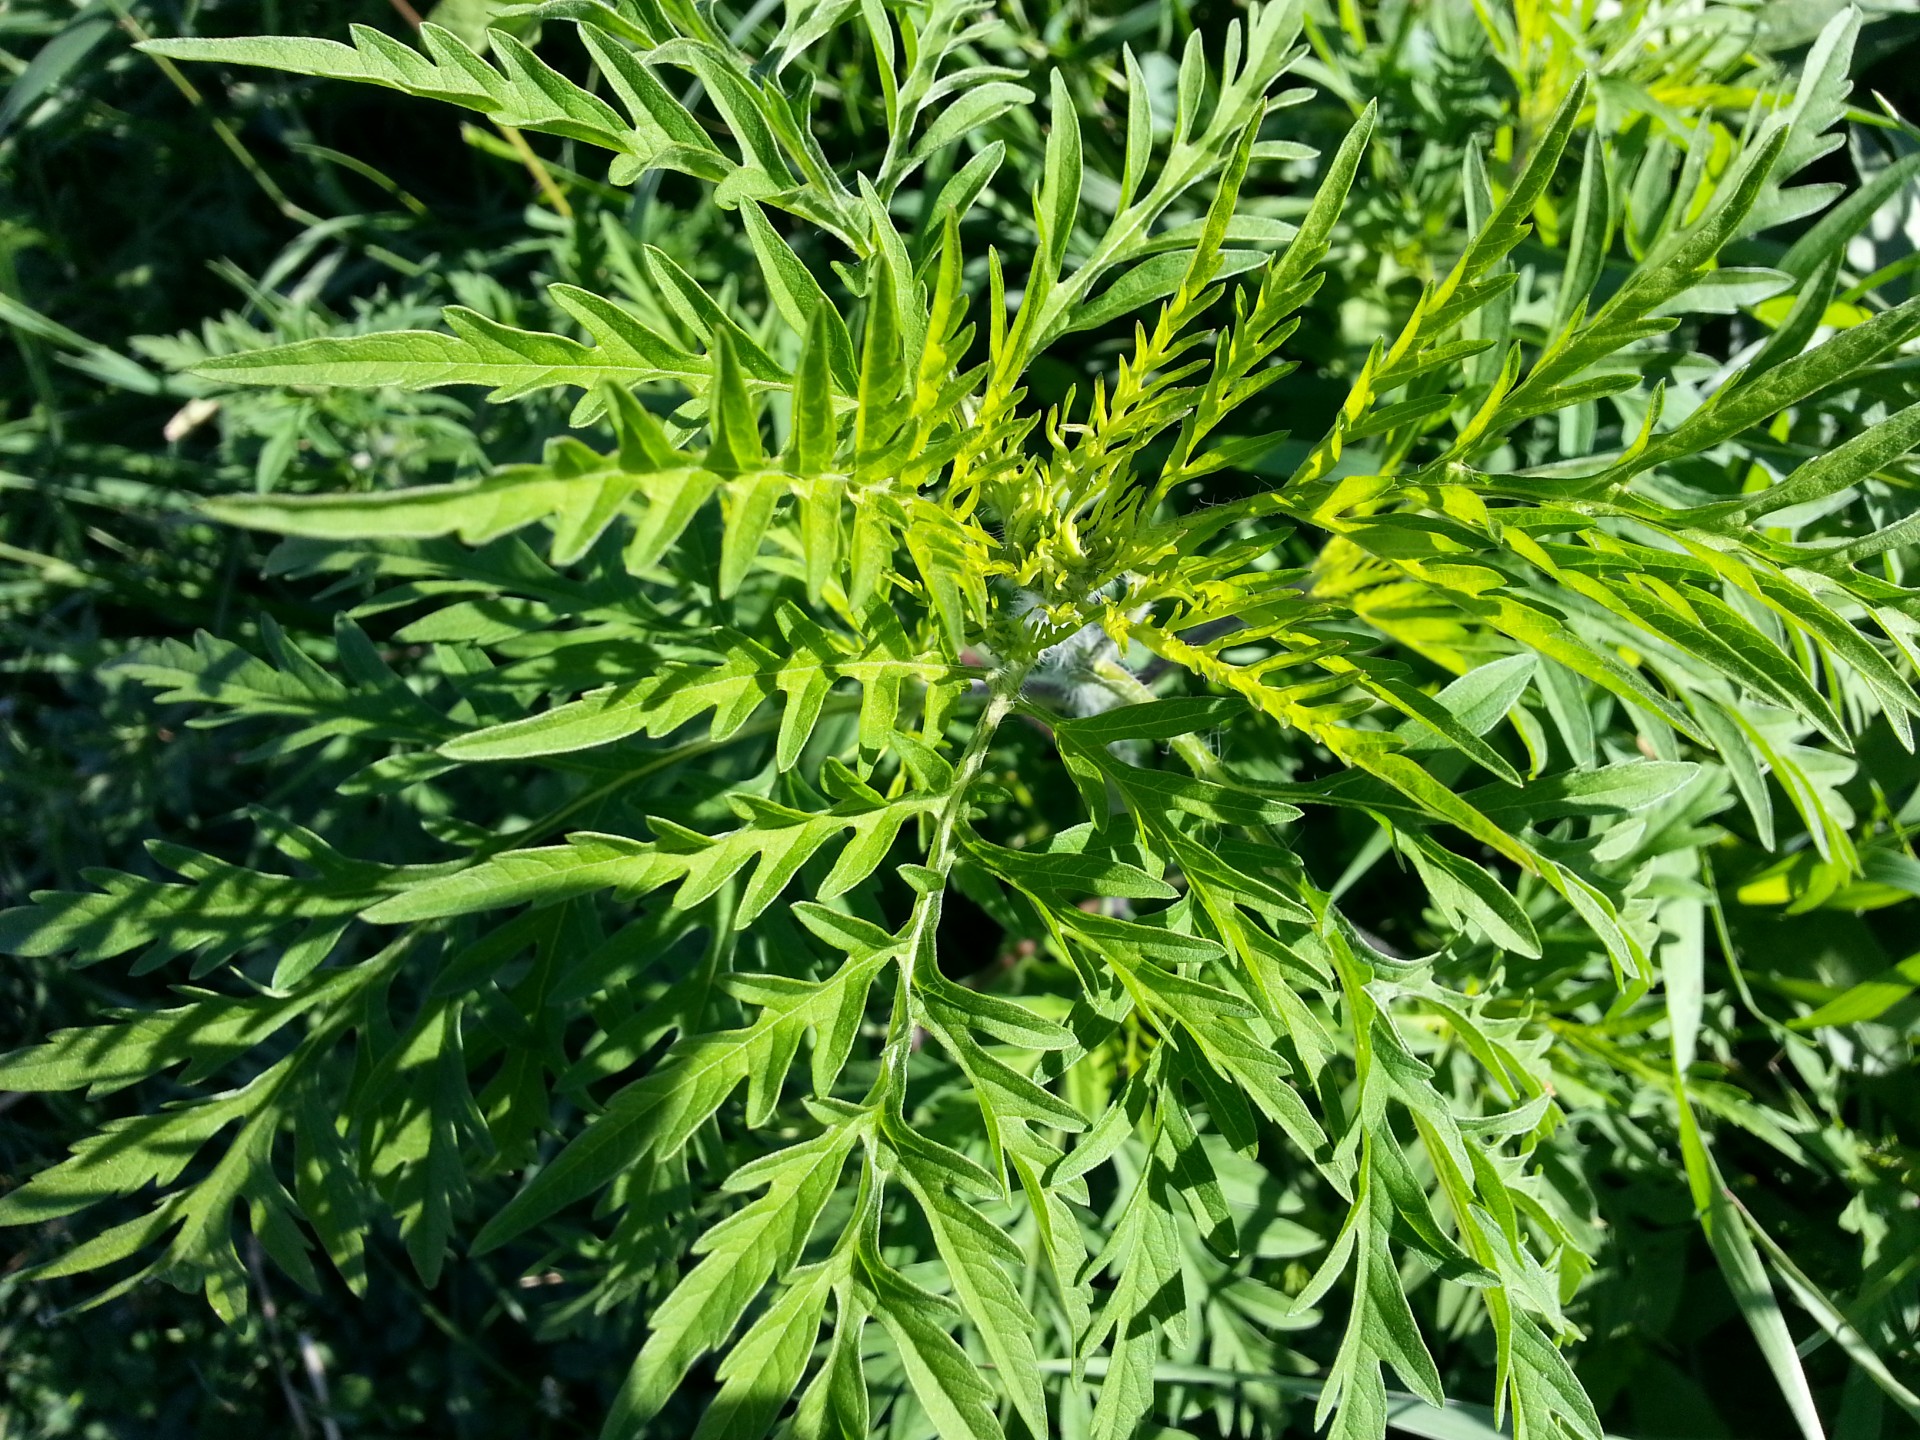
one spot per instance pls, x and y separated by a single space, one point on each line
941 851
536 167
542 178
229 137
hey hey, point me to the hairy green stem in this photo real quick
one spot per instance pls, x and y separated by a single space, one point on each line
1005 687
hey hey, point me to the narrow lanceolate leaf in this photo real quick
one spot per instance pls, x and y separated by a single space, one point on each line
222 912
1144 1255
524 92
1868 1000
1740 406
1155 720
731 421
1059 198
580 505
228 683
982 1262
738 1257
761 1372
814 427
774 846
801 301
747 675
121 1158
1845 465
1071 872
203 1036
1746 1277
416 1145
956 1400
1829 1316
651 1118
479 351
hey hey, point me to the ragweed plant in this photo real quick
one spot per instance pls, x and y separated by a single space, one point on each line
829 692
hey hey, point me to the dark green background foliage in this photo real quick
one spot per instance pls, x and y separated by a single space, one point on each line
156 217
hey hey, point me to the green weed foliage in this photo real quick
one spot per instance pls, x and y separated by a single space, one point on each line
1155 701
